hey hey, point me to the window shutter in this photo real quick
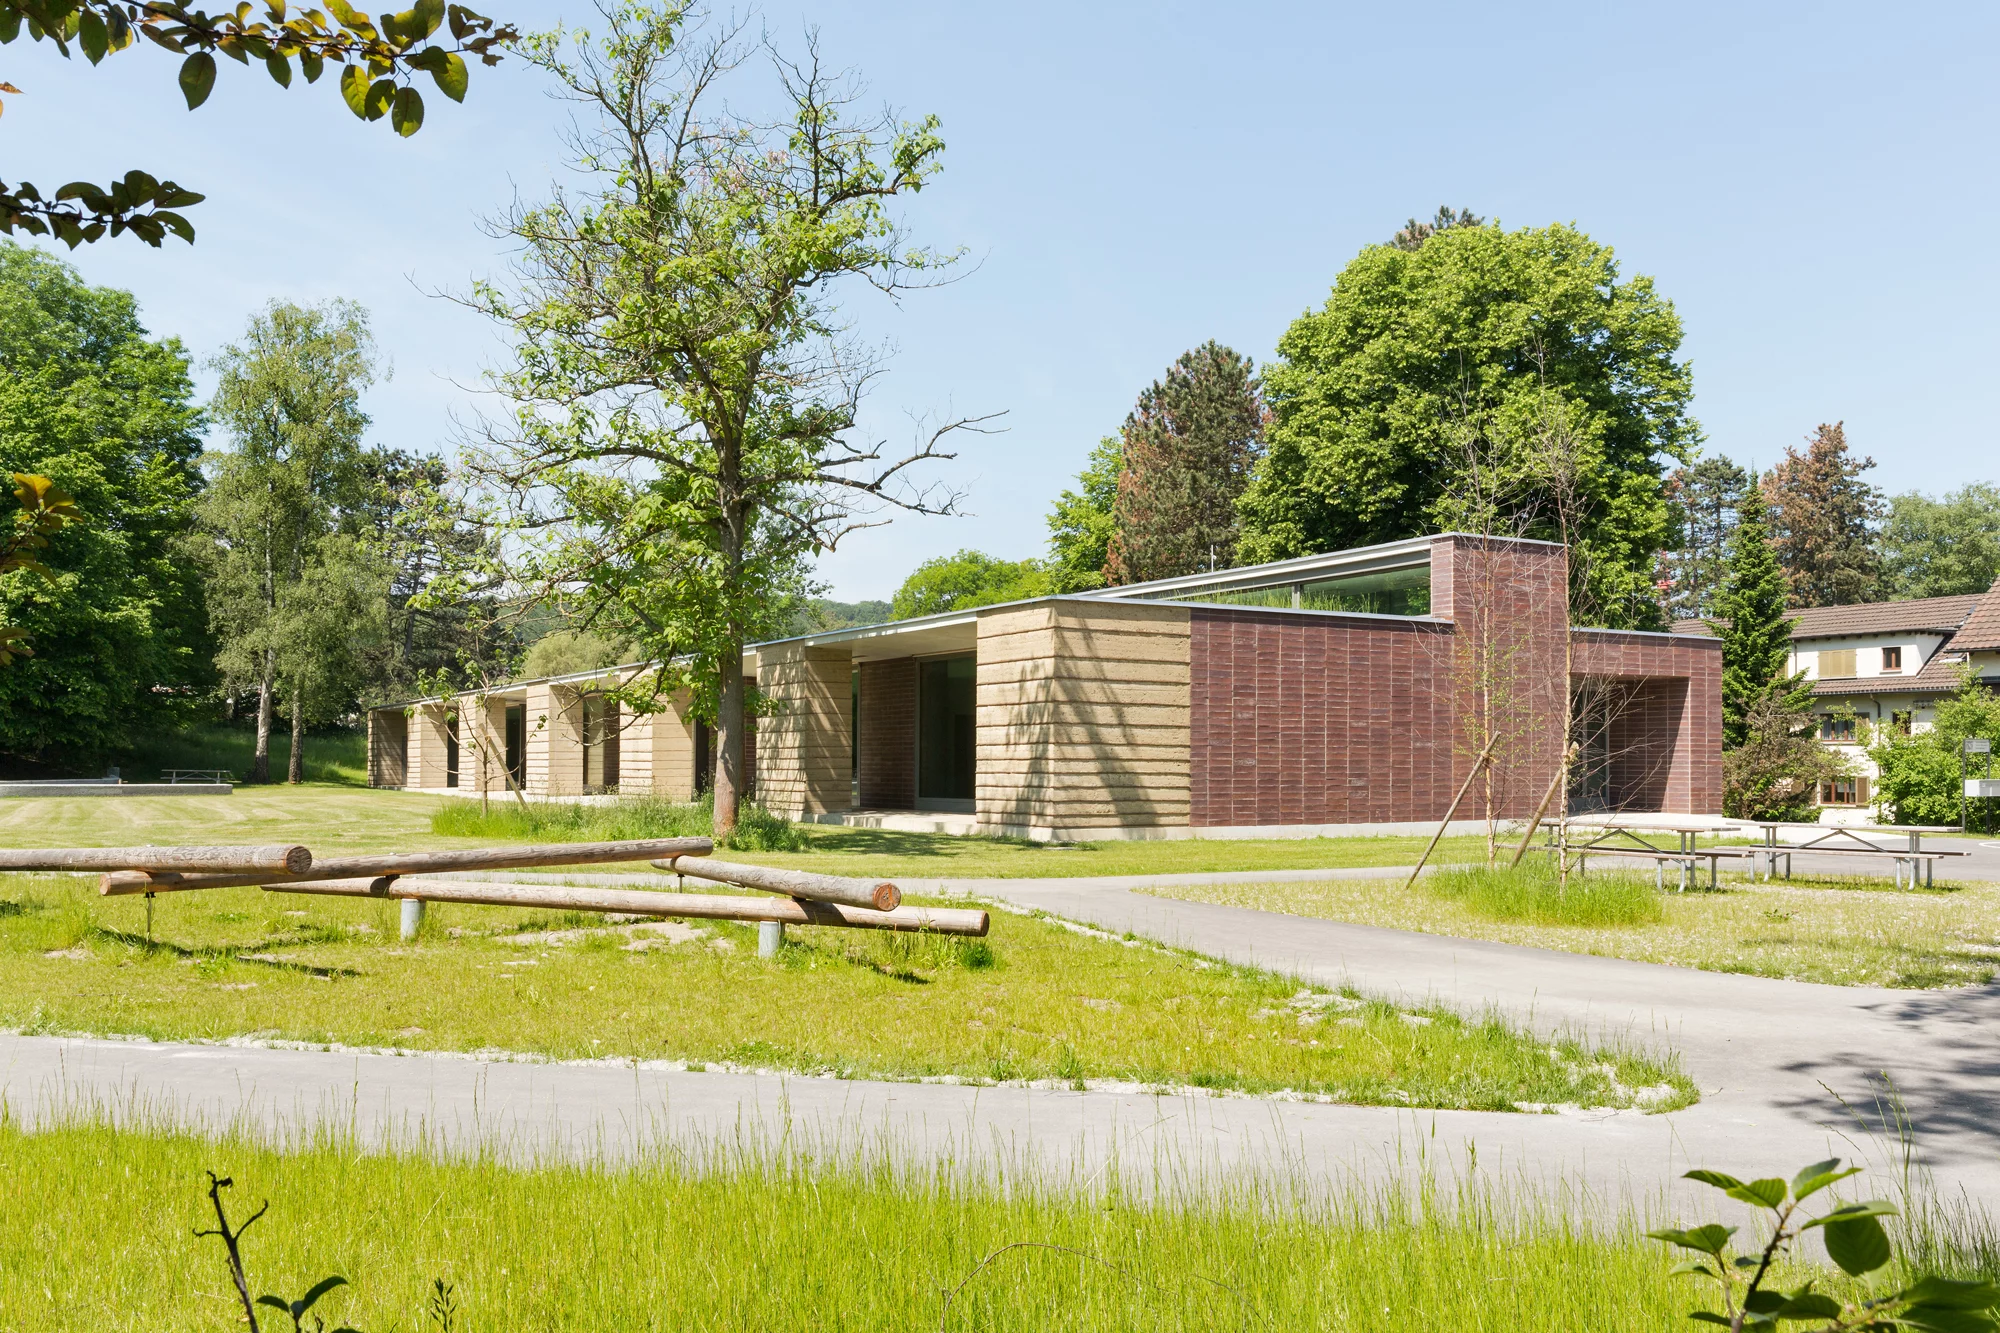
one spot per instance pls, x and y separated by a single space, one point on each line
1861 791
1836 663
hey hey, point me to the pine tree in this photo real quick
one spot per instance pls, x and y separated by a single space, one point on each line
1189 447
1750 613
1706 498
1822 521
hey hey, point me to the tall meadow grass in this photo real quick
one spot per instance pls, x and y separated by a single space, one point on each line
1532 892
637 816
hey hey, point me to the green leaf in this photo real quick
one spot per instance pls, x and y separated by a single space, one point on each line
345 13
1765 1301
381 95
1945 1294
10 24
1846 1211
1806 1304
1814 1184
1857 1244
354 89
281 69
324 1285
1691 1266
1768 1193
1708 1239
1811 1173
1942 1319
451 76
428 15
91 36
171 195
406 113
197 78
312 63
275 1303
1715 1178
176 224
1705 1317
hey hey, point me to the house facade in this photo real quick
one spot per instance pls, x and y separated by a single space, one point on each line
1346 692
1886 665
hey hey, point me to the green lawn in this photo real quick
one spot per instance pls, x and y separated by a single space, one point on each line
1034 1001
335 819
96 1232
1845 931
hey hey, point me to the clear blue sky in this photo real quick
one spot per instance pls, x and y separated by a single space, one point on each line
1812 186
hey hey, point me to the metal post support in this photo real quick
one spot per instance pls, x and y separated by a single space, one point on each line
770 938
413 917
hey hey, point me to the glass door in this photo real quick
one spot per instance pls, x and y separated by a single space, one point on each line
946 771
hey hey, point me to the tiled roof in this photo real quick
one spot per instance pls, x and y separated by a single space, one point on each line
1941 614
1940 675
1692 625
1981 629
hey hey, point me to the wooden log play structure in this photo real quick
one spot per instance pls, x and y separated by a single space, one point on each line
170 861
415 863
415 878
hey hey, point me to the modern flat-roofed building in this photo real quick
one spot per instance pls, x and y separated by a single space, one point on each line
1344 692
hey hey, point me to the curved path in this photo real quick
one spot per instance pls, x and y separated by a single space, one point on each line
1774 1061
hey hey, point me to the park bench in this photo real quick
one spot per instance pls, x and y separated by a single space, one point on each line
220 777
1913 860
1628 841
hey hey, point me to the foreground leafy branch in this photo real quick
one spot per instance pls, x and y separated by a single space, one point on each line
379 59
232 1244
44 508
1855 1240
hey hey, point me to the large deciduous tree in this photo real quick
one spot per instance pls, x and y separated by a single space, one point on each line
1494 331
685 428
1822 521
281 508
1942 547
116 627
378 60
1080 524
1189 446
1705 497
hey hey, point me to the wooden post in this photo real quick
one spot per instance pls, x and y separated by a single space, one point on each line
1569 757
281 860
423 863
651 902
1463 788
881 897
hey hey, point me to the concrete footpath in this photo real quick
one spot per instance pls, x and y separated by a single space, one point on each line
1788 1073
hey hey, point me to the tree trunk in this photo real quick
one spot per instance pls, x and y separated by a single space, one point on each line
260 758
729 737
295 767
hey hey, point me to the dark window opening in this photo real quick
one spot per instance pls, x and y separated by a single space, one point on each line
1836 729
945 733
515 743
1901 721
704 759
1892 659
600 743
451 750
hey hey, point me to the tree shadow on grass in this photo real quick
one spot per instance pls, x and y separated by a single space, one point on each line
896 842
181 952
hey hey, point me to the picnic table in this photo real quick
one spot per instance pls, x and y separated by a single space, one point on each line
217 776
1846 840
1627 839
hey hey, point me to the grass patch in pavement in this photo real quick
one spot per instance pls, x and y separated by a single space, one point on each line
333 819
96 1230
1037 1000
1839 930
1532 892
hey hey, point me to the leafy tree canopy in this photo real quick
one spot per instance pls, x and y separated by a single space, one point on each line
966 579
378 58
570 650
1081 523
1921 773
1706 498
1494 332
88 400
1942 547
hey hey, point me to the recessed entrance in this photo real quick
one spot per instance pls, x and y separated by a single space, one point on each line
945 741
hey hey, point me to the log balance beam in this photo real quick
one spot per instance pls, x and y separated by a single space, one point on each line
247 863
139 877
652 902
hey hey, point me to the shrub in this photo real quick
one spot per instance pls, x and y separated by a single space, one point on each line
1532 892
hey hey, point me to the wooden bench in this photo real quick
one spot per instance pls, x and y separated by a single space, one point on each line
214 776
1921 865
1662 858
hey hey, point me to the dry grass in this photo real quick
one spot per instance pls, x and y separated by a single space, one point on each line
1837 930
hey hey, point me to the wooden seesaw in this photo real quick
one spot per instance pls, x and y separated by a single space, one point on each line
416 878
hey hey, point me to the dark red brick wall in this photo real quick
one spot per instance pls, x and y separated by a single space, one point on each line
1302 718
888 740
1660 698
